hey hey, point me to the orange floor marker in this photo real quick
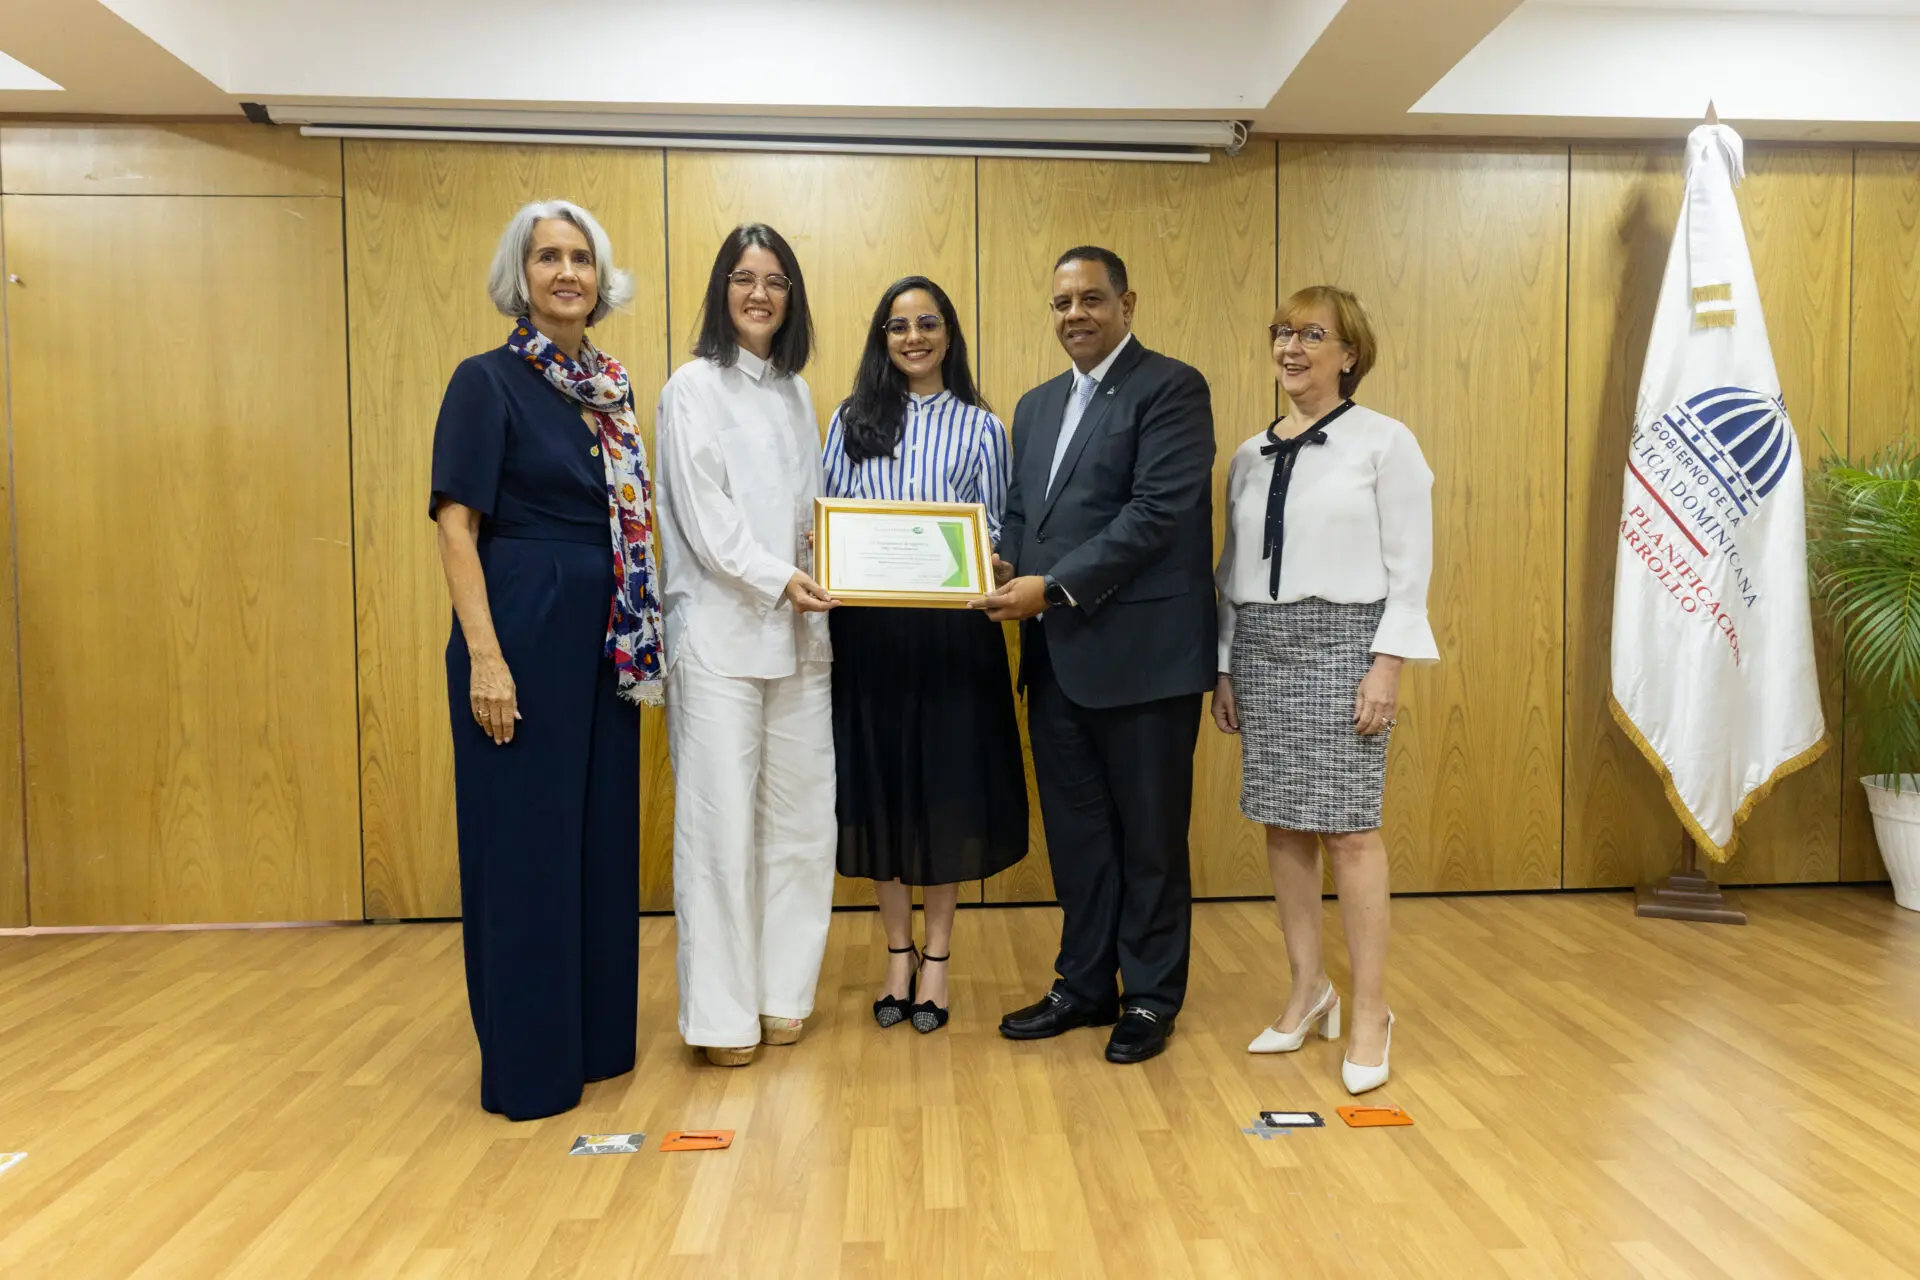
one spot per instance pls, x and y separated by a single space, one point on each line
1373 1117
697 1140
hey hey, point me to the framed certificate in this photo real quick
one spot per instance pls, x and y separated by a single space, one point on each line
933 555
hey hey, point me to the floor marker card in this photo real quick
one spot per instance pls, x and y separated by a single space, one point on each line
1374 1117
607 1144
8 1159
697 1140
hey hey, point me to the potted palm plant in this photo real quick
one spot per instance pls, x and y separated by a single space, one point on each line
1863 546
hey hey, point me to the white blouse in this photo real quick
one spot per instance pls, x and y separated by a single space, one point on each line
1359 528
737 470
948 452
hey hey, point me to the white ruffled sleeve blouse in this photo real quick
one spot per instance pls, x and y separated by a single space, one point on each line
1359 528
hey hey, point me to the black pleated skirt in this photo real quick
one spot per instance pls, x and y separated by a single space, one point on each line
931 788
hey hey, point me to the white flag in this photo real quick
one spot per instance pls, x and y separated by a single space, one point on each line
1713 673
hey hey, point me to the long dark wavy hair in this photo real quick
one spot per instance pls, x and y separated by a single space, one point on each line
871 418
718 340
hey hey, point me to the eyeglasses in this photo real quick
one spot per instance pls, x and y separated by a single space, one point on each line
1310 336
746 280
899 326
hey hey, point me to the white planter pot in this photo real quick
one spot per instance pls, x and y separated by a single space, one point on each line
1896 825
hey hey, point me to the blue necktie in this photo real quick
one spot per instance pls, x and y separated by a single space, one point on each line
1083 390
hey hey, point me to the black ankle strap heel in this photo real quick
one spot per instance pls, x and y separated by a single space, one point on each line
928 1016
891 1011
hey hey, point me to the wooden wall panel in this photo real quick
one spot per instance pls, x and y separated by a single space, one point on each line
1804 199
1884 399
1796 204
1198 244
1460 254
182 498
857 223
179 791
422 222
13 818
167 160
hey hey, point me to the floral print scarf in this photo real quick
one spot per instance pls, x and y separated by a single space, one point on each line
599 385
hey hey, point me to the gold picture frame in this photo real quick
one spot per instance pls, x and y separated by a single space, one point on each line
867 552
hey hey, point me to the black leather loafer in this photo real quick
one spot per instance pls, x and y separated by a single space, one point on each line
1142 1034
1052 1016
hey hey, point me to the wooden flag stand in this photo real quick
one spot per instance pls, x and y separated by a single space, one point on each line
1687 894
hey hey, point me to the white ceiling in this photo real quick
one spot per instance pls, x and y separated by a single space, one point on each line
15 74
1218 57
1779 68
1809 8
1566 59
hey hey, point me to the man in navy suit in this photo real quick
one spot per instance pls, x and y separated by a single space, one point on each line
1106 558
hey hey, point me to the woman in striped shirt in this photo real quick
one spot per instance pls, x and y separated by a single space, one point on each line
931 788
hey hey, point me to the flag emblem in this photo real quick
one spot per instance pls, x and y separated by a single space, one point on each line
1750 433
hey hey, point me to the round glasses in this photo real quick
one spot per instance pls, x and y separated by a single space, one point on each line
1310 335
746 281
900 326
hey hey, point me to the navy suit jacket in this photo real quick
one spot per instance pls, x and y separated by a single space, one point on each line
1127 529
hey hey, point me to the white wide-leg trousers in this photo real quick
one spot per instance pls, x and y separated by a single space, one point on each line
753 845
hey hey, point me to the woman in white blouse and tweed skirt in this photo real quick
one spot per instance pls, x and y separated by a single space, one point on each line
1323 598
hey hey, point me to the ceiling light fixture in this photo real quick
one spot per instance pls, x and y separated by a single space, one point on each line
1191 141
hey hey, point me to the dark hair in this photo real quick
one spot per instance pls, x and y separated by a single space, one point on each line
871 418
1116 269
793 341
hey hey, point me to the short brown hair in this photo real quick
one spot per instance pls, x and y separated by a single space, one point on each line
1349 316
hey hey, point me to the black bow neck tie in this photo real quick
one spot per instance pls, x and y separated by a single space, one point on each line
1284 454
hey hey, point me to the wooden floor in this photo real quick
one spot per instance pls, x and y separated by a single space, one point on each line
1594 1096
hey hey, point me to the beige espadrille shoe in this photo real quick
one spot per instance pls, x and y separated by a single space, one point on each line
780 1030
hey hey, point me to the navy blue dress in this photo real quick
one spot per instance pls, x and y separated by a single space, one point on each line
550 823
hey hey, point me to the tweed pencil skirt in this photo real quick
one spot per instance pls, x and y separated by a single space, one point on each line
1295 669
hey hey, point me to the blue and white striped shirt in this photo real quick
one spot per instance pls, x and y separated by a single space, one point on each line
948 452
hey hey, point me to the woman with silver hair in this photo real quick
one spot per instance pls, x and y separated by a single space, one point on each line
539 473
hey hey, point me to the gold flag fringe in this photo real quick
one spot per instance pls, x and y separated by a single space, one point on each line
1722 319
1719 853
1713 293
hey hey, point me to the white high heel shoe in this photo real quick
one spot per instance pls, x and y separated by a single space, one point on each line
1359 1079
1325 1012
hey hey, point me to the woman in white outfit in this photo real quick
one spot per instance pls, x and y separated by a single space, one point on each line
1323 598
749 688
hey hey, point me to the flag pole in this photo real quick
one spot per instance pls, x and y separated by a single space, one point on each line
1687 894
